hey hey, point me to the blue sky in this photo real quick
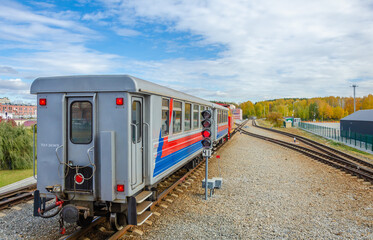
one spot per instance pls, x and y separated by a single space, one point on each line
235 50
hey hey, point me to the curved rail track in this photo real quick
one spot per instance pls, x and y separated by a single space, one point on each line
319 146
183 178
354 166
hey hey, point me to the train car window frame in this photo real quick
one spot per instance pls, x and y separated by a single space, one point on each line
177 110
201 109
185 117
196 118
139 126
72 140
165 110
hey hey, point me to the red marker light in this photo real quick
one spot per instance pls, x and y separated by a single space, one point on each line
119 101
206 133
217 156
120 188
79 178
42 101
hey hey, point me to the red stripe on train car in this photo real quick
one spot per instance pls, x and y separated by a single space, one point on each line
178 144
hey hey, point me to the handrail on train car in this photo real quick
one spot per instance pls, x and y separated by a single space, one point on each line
132 124
145 155
33 152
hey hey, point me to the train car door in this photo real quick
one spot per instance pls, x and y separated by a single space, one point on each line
80 144
137 155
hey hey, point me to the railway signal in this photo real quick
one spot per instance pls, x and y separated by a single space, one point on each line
206 129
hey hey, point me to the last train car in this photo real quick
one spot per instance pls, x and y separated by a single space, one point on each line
104 142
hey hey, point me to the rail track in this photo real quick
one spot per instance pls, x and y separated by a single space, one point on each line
327 155
13 197
319 146
170 188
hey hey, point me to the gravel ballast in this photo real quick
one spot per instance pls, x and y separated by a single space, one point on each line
269 192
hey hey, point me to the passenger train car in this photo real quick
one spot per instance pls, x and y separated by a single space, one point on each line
104 142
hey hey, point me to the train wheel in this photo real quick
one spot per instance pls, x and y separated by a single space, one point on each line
84 222
117 221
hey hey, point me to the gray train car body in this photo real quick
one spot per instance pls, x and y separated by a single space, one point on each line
105 138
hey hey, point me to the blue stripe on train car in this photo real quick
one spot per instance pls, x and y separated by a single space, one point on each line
162 164
222 133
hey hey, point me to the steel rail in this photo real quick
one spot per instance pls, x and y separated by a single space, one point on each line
14 200
163 195
83 231
12 197
339 163
318 145
18 190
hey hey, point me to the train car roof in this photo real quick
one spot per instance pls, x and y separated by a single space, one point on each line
108 83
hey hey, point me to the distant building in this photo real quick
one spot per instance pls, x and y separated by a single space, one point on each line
9 110
4 100
358 122
237 114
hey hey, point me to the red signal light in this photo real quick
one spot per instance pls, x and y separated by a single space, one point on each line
119 101
42 101
120 188
206 133
79 178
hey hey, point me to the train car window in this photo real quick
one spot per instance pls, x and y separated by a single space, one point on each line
81 122
188 117
219 116
136 119
176 115
165 117
195 116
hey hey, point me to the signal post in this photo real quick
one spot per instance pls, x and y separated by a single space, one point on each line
206 142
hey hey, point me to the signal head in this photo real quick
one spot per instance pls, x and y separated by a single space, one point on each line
206 143
206 133
206 114
206 123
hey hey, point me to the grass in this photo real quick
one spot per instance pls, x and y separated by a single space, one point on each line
331 143
11 176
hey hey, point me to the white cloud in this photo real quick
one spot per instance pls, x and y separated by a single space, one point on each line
126 32
272 48
49 43
8 70
16 89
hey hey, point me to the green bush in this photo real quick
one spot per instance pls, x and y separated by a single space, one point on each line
15 147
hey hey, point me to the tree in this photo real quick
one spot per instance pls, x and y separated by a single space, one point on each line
338 113
367 102
15 147
248 109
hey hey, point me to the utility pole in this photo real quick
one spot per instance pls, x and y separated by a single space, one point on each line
354 86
